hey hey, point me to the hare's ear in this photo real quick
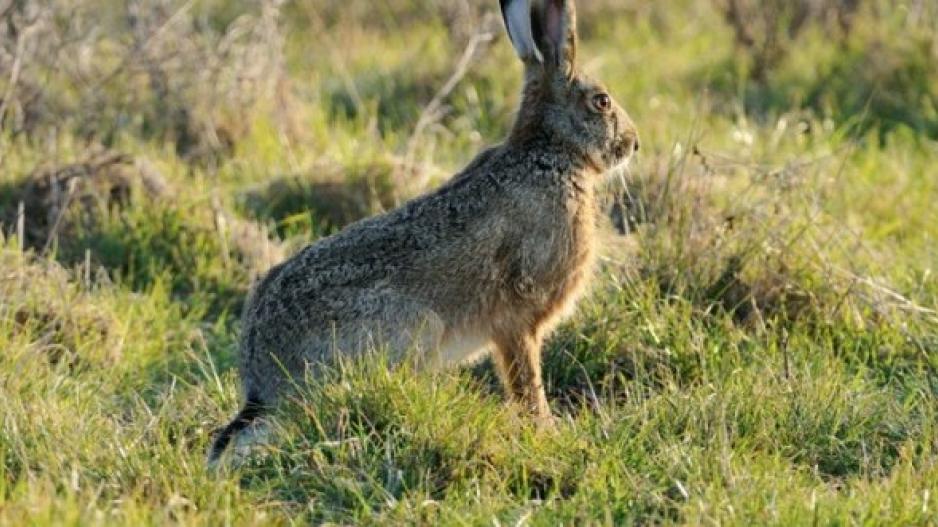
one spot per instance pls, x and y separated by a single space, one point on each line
554 29
517 16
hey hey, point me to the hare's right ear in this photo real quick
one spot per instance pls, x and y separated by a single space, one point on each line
517 15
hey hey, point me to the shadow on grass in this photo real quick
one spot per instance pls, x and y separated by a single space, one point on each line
324 200
108 212
371 437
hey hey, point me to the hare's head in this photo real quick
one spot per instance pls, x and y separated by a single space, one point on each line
559 101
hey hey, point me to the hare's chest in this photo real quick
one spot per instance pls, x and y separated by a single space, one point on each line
549 265
569 277
570 286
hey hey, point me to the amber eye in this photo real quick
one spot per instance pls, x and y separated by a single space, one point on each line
602 102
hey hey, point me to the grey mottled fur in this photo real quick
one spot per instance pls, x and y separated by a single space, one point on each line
492 259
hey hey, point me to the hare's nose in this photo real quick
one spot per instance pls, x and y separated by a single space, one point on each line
631 141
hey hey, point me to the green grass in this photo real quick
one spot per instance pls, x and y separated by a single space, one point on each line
759 348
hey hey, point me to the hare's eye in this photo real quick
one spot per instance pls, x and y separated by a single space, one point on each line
602 102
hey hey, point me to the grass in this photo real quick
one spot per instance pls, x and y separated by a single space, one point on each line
759 346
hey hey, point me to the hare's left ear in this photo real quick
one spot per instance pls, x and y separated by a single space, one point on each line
554 29
518 17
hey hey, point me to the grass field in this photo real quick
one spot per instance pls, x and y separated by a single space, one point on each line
760 346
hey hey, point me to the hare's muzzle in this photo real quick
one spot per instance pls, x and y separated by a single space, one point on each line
626 146
630 142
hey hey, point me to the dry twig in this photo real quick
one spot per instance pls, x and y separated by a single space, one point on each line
434 110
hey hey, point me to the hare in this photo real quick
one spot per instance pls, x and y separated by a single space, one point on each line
492 259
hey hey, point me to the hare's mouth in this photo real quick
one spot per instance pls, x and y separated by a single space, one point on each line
622 153
620 169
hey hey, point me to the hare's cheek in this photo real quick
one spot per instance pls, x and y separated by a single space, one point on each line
613 152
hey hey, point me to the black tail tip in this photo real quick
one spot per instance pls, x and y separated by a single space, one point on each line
253 409
219 444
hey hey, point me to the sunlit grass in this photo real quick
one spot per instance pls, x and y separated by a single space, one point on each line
758 349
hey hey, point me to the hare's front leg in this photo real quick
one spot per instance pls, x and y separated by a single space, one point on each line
518 360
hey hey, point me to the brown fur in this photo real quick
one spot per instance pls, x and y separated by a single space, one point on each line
493 259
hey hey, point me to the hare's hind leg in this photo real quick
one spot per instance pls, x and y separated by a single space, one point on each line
414 335
390 321
518 360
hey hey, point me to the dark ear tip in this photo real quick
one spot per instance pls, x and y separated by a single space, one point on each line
503 5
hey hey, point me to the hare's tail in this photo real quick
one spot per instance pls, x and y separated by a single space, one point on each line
253 409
